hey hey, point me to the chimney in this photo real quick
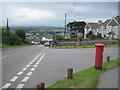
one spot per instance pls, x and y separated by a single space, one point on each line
100 21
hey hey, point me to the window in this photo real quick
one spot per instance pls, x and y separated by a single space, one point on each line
104 35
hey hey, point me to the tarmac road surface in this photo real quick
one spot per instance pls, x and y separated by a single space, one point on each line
26 66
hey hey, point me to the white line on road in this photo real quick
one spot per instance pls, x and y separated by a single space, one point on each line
35 66
20 86
33 69
14 78
6 85
37 63
29 74
28 66
30 63
37 56
25 79
24 69
4 56
20 73
41 57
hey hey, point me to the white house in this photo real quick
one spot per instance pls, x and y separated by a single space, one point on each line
108 29
90 26
46 39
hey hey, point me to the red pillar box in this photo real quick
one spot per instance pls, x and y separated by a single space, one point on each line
99 56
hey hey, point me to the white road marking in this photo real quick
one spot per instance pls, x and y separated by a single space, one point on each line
33 69
28 66
14 78
37 56
6 85
4 56
20 73
30 63
20 86
24 69
35 65
25 79
41 57
29 74
33 61
38 61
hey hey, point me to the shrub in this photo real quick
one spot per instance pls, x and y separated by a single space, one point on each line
21 34
43 42
10 38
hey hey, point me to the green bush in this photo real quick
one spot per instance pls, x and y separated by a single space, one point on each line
91 36
43 42
58 38
70 39
10 38
21 34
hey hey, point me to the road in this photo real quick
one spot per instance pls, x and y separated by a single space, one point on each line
25 67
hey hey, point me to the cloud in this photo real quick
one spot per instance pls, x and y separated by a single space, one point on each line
27 16
32 13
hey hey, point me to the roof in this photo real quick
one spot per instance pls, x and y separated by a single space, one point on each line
105 23
117 19
114 21
93 25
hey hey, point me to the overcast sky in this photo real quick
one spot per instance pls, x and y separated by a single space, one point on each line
52 13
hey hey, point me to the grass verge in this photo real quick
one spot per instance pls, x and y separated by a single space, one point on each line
9 46
72 47
87 78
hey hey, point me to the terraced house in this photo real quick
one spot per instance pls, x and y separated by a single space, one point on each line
108 29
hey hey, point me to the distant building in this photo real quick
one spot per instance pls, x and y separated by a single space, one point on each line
107 29
46 39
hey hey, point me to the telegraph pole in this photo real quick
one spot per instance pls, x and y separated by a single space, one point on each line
65 24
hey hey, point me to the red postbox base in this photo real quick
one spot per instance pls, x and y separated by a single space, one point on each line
98 68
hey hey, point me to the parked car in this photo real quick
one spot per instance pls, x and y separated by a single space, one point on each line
47 44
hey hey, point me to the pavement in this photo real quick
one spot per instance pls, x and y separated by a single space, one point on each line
109 79
26 66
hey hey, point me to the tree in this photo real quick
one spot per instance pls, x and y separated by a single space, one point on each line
10 38
90 35
21 34
58 38
77 27
7 27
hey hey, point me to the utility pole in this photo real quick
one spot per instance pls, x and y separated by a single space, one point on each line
65 24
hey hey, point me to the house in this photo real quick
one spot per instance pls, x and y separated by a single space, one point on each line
108 29
46 39
90 26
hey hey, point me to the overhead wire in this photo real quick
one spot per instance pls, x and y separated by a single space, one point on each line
72 7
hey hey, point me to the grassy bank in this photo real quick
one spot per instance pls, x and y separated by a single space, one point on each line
9 46
92 46
87 78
